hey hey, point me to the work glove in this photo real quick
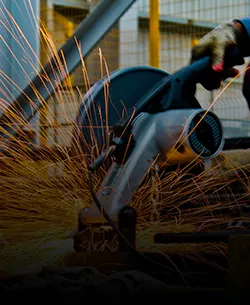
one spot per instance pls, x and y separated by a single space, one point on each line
215 45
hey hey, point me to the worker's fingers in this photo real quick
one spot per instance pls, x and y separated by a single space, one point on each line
218 52
230 73
200 50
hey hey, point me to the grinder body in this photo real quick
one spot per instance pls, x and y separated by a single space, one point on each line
173 136
166 124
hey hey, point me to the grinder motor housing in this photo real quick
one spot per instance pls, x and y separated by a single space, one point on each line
173 136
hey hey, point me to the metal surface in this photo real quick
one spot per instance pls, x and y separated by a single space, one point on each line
197 275
88 34
197 237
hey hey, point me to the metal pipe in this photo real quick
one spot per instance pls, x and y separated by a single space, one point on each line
196 237
22 41
88 34
19 49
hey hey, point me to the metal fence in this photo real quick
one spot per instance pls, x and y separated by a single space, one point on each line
181 23
134 41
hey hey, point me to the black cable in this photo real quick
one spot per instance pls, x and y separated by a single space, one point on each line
117 230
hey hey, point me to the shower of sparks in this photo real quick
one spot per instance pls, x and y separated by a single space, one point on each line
40 200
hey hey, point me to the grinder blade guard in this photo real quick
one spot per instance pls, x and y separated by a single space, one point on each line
165 124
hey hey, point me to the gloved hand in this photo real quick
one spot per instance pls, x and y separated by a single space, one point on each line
215 45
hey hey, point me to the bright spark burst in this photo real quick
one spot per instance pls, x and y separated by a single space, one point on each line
40 201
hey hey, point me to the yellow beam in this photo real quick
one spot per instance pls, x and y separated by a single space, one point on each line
68 27
69 32
154 33
194 42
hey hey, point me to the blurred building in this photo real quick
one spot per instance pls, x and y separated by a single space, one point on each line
182 23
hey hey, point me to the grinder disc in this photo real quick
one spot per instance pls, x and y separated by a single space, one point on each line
108 101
